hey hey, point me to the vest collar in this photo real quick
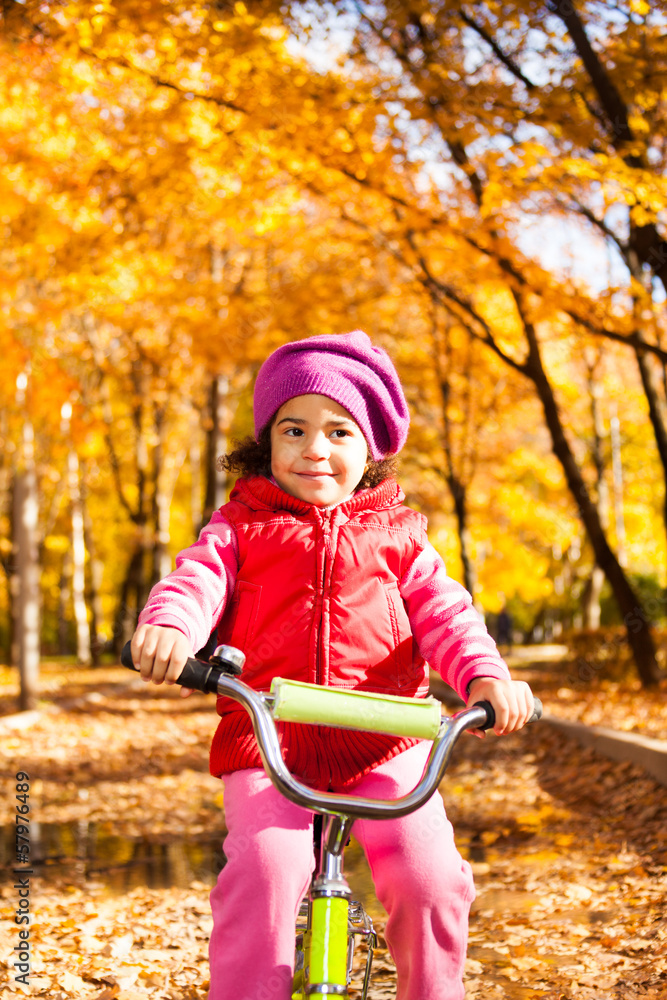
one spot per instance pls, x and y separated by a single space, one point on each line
259 493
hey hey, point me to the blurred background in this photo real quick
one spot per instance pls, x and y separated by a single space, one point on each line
479 186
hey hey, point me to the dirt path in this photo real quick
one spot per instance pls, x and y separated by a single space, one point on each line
569 849
570 857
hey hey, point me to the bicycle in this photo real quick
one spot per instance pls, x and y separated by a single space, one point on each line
330 919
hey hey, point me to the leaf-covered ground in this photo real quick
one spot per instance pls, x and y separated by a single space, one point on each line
569 849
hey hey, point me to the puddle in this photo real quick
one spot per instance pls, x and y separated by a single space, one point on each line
514 991
505 901
582 915
86 851
511 901
83 851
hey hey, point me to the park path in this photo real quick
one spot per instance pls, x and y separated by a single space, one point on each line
570 856
569 851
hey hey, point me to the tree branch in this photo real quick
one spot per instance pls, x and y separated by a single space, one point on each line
598 223
506 60
159 82
630 340
610 98
107 416
450 296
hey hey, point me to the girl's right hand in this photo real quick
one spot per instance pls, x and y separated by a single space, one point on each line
160 653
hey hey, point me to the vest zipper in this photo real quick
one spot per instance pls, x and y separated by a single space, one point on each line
327 554
327 545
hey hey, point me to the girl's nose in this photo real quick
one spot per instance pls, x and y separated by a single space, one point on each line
316 447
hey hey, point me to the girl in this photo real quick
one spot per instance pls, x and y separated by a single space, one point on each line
317 570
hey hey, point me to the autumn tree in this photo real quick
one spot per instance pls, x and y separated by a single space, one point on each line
184 189
462 77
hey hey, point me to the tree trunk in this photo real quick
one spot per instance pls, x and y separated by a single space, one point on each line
132 597
161 505
13 581
26 561
638 627
216 446
161 558
590 602
457 489
656 412
591 609
195 471
94 586
134 589
453 476
64 597
83 653
617 474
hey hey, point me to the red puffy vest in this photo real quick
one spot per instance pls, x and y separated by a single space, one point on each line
317 599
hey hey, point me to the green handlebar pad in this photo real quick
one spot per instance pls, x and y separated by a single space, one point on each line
294 701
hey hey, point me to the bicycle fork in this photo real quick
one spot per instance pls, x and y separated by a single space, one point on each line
328 940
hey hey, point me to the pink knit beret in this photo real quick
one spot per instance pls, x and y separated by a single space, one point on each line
348 369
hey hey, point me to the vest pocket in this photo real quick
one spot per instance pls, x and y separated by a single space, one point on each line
239 628
401 635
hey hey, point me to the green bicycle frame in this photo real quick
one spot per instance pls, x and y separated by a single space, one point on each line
325 950
302 965
328 946
323 963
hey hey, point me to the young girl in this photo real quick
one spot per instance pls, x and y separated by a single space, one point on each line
318 572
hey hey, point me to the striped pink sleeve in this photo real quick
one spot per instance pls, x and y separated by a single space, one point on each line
450 634
193 596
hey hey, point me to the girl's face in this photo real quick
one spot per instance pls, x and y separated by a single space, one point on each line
318 452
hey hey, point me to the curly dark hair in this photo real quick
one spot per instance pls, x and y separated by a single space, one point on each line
253 458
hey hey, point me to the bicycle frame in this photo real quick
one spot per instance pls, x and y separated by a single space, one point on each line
333 920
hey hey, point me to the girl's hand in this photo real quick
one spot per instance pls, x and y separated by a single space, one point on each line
159 654
512 702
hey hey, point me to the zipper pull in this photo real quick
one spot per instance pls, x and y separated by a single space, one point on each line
326 537
328 518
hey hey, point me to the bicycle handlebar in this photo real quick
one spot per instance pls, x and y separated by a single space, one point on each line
212 678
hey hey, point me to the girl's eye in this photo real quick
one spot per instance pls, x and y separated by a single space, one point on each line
339 432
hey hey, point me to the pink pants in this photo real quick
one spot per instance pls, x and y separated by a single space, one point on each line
420 879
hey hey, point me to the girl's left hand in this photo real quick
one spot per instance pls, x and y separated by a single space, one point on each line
512 702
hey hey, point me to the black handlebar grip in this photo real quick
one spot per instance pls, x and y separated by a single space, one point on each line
195 674
126 656
200 676
491 715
